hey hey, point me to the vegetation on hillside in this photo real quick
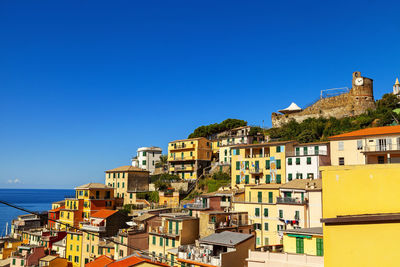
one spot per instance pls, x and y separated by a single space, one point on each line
319 129
163 181
207 130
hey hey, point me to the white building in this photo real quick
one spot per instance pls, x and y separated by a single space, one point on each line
147 157
304 162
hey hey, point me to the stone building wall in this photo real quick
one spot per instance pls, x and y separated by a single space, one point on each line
357 101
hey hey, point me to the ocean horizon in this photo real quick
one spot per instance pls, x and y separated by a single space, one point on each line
35 200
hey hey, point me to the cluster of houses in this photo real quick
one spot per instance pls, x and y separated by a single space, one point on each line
283 201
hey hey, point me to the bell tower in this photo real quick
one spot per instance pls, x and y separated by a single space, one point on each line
396 87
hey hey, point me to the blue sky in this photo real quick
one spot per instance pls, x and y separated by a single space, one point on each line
83 84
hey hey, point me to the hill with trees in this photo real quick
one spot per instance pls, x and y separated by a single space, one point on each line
211 129
319 129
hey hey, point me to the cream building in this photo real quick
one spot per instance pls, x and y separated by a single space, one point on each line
146 158
376 145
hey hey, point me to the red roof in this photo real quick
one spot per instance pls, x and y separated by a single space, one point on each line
103 213
132 261
57 209
386 130
100 262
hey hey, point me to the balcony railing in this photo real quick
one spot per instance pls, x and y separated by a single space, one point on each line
197 205
250 156
290 200
177 158
183 146
301 153
380 148
198 254
90 227
255 171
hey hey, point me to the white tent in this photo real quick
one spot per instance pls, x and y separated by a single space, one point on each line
291 109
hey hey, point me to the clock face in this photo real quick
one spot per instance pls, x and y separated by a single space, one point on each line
359 81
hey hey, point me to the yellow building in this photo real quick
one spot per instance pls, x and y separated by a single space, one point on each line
73 248
304 241
376 145
176 229
127 181
361 215
7 246
57 204
260 163
169 199
260 203
187 158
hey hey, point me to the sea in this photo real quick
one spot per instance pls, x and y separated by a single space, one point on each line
31 199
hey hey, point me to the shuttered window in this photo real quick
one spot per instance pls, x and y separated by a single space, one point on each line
278 164
267 164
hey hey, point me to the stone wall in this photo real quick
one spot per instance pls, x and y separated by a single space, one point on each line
357 101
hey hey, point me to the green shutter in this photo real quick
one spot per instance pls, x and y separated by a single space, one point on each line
237 165
154 240
278 164
265 226
289 161
161 241
238 179
290 177
297 151
308 160
267 164
316 150
247 179
270 197
305 151
267 178
176 227
278 178
278 149
259 196
257 212
297 161
320 247
246 166
280 213
265 212
299 245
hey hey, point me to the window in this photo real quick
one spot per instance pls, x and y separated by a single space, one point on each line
267 179
237 179
265 212
297 161
299 245
257 212
278 149
278 179
359 144
154 240
281 214
305 151
77 248
289 161
247 179
320 247
308 160
237 165
167 242
299 176
143 162
173 243
297 215
340 146
259 197
161 241
267 164
297 151
87 248
316 150
246 165
257 226
270 197
310 175
381 159
341 161
265 226
123 185
191 153
278 164
290 176
258 240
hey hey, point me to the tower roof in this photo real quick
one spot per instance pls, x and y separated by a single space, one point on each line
290 109
397 82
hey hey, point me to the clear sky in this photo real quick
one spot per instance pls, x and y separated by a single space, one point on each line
85 83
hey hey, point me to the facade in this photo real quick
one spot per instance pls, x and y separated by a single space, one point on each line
304 241
225 249
54 216
27 255
268 259
361 212
105 222
169 199
376 145
212 222
7 246
260 163
146 158
305 161
60 247
73 248
187 158
53 261
127 181
176 229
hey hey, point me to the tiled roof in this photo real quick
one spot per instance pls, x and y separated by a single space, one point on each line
103 214
144 217
48 258
132 261
57 209
100 262
305 184
226 238
311 231
386 130
93 186
127 168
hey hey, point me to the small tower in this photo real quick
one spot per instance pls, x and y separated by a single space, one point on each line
396 87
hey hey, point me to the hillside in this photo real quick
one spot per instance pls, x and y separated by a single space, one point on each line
319 129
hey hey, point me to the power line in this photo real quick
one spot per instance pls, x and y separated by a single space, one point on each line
86 231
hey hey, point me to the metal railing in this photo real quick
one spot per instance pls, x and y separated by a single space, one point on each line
290 200
301 153
181 146
380 148
255 170
197 206
177 158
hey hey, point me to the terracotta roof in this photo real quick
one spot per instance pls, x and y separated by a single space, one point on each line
93 186
103 214
305 184
57 209
100 262
385 130
127 168
132 261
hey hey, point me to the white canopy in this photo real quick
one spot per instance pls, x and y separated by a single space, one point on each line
292 108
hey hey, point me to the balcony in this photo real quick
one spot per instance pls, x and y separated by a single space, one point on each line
381 148
182 168
256 171
198 254
290 200
161 230
89 227
182 146
253 156
181 158
197 205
